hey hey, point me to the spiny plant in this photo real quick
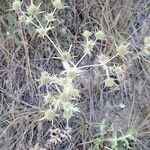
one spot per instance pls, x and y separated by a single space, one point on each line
63 103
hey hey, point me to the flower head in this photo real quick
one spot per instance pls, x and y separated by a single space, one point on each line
89 47
22 18
33 9
66 56
147 41
100 35
16 5
58 4
44 79
122 49
87 34
109 82
48 98
50 17
103 59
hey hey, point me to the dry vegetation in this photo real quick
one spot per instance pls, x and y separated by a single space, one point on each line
100 114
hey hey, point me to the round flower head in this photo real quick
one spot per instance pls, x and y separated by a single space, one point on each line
33 9
100 35
58 4
16 5
122 49
89 47
103 59
49 114
87 34
50 17
109 82
48 98
44 79
66 56
63 98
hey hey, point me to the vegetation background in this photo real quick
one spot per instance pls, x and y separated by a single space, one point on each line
24 56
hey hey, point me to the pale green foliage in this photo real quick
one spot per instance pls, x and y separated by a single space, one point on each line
116 140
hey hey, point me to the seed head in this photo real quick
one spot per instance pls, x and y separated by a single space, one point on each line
22 18
118 70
